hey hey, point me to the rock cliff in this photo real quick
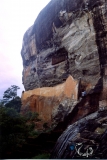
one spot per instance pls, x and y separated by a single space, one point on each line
68 37
64 54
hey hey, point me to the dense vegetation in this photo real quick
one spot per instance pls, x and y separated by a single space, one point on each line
19 137
10 98
14 129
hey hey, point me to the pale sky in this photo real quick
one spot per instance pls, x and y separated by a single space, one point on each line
16 16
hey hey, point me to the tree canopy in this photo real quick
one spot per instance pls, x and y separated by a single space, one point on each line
10 93
10 98
13 131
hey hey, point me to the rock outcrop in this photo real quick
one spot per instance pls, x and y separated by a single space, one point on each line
86 138
68 37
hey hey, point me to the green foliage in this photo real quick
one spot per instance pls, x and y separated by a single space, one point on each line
10 98
34 133
14 103
32 116
10 93
31 126
45 126
1 103
42 156
11 122
13 129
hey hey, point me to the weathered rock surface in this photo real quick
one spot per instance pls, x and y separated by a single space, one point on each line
86 138
52 103
68 37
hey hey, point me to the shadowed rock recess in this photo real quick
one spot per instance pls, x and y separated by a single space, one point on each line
65 72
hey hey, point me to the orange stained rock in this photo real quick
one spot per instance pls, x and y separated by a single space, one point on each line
69 88
45 100
41 105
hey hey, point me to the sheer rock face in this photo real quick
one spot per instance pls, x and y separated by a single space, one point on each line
68 37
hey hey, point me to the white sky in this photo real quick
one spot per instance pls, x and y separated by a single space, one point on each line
16 16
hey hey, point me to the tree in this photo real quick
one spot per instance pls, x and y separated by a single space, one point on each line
32 116
13 131
10 93
45 126
10 98
14 103
1 103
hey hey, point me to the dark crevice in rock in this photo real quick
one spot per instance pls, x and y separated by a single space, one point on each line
59 56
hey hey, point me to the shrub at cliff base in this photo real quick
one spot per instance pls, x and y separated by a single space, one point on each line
13 130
